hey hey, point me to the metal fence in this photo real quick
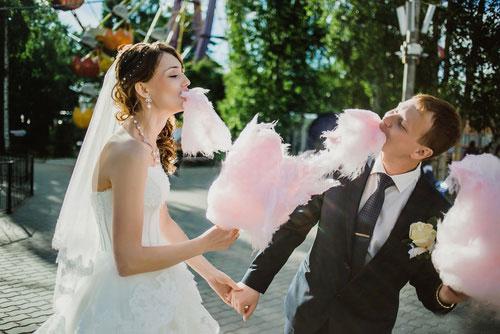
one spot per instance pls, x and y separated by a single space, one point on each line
16 181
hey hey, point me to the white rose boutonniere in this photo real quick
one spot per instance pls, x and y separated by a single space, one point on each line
422 238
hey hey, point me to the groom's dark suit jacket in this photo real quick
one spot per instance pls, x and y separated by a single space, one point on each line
323 297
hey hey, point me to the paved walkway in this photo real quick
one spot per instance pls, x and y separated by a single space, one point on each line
27 264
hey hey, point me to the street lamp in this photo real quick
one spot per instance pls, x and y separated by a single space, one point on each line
6 129
428 19
411 50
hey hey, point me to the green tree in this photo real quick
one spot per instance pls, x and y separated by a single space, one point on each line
471 78
362 38
208 74
39 75
276 58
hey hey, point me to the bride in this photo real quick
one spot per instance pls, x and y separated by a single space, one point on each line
121 256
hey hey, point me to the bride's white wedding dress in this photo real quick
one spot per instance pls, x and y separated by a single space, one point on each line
164 301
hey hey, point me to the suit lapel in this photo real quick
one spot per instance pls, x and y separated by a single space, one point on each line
417 208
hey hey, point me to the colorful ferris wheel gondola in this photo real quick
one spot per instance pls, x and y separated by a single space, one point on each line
86 67
67 4
112 39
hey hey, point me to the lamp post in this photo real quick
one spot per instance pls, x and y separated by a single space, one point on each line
6 129
411 50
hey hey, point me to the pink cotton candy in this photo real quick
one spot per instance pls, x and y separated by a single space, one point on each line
348 147
467 252
203 131
260 185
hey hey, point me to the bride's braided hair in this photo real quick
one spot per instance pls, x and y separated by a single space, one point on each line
137 63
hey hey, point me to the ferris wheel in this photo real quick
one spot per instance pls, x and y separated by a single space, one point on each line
116 28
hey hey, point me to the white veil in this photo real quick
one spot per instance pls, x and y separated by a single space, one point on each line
76 234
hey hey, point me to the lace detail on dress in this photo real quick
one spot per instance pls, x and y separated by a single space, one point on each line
165 301
169 285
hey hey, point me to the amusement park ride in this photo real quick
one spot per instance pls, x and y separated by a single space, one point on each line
104 41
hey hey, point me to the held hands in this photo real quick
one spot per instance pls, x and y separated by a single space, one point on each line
244 300
240 296
223 285
217 239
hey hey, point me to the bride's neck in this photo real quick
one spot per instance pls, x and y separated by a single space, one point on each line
151 123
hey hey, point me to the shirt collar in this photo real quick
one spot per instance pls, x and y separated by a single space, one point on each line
402 181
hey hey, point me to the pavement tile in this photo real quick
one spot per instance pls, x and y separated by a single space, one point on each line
8 325
22 329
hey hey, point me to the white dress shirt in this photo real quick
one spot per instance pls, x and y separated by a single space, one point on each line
395 199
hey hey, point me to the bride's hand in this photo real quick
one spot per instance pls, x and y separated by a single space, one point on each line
223 285
217 238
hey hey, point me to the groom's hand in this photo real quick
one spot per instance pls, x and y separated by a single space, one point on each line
449 296
223 285
245 301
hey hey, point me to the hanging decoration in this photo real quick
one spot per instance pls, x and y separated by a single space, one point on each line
105 61
67 4
113 39
82 116
87 67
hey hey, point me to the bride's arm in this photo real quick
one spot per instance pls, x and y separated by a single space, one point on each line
128 178
221 283
174 234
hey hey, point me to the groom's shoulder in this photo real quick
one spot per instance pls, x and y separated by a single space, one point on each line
340 176
433 197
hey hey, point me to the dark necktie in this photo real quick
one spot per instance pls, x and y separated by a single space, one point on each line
366 220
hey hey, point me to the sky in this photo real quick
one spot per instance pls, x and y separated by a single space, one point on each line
90 13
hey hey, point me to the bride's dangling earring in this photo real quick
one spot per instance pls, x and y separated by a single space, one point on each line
148 101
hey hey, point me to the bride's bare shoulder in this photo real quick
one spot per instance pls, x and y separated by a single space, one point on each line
124 151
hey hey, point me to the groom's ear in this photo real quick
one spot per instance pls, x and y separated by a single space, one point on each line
141 89
422 153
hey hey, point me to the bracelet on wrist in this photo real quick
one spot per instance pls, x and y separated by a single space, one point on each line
440 302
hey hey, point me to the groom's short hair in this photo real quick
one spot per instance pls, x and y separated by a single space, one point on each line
446 124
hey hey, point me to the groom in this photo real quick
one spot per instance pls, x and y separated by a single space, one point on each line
350 280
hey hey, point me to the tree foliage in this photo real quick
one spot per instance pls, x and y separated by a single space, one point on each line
208 74
276 59
471 70
39 75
